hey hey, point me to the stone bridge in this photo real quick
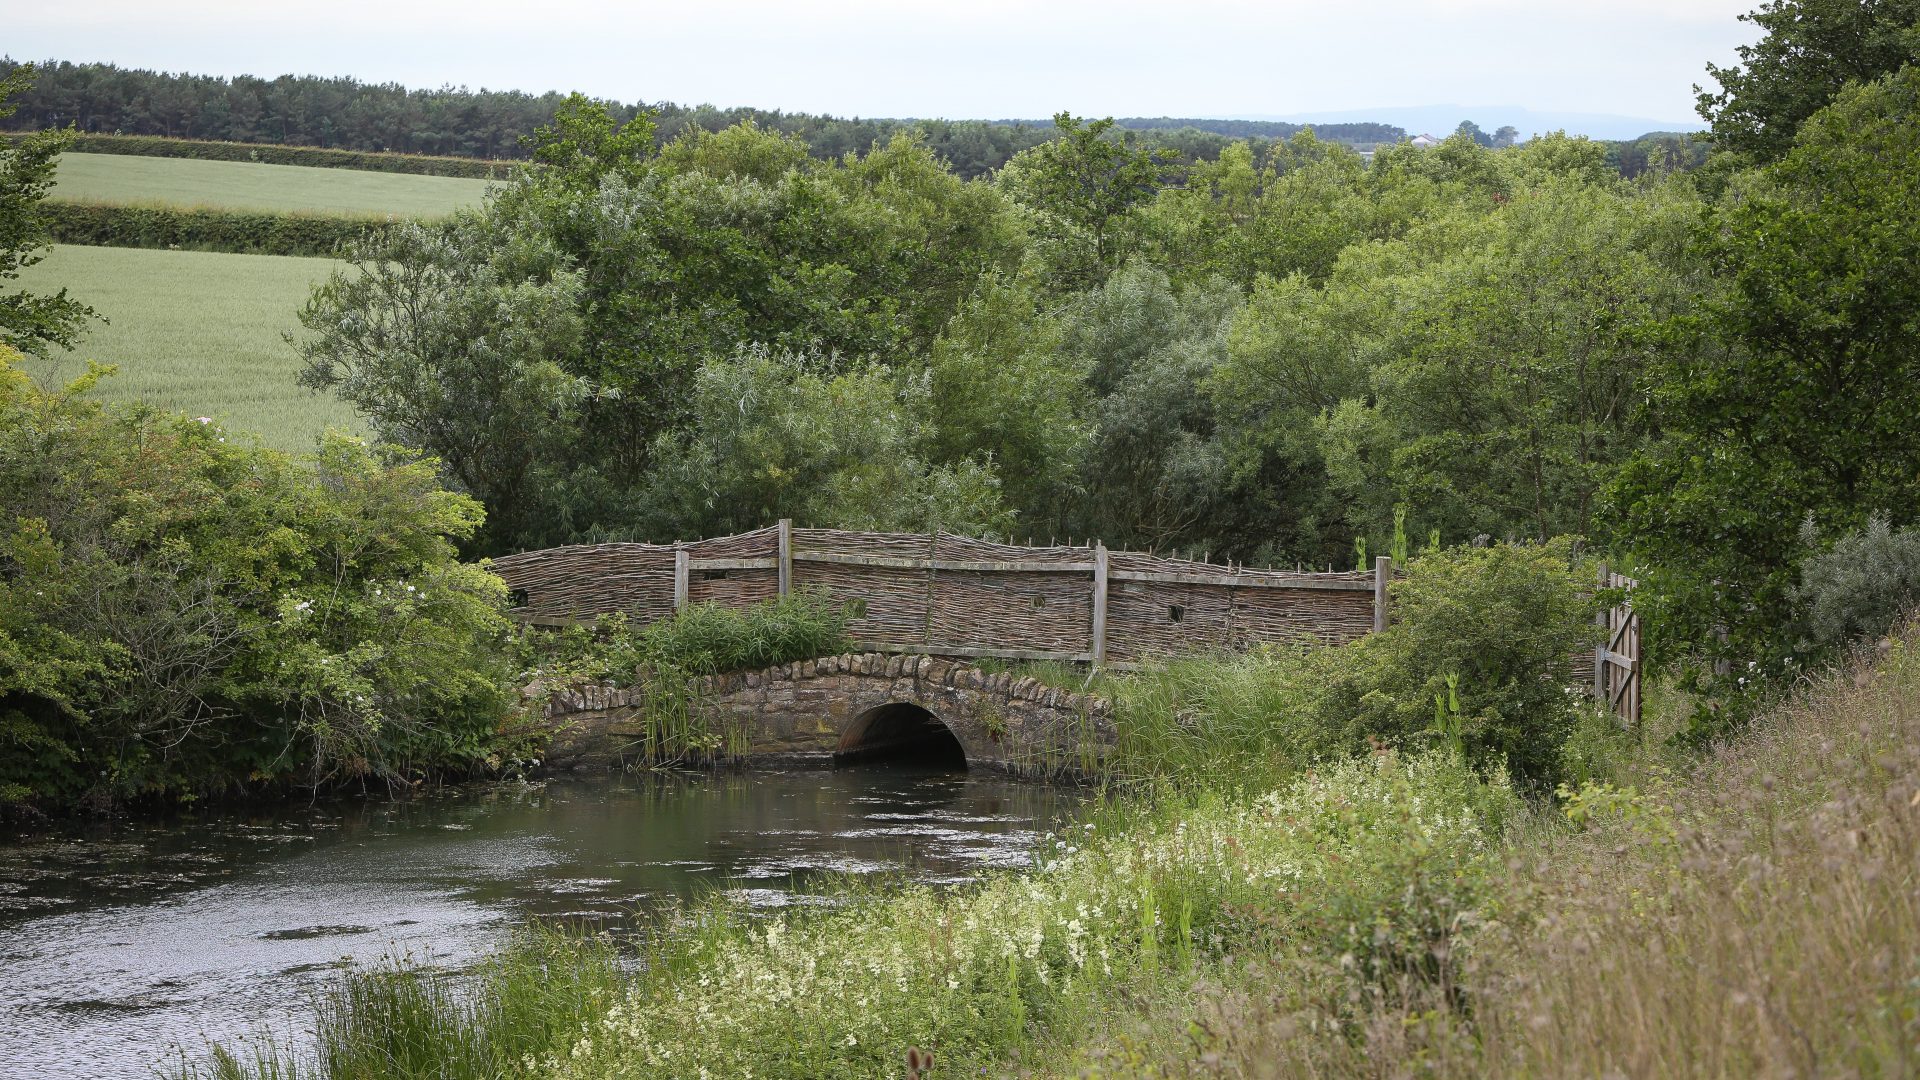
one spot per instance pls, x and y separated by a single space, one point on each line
859 706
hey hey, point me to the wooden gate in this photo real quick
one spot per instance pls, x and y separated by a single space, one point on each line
1616 663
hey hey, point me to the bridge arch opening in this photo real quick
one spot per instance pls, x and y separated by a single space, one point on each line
900 733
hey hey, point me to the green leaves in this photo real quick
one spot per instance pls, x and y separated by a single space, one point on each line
182 611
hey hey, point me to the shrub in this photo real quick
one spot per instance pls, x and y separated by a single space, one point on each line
181 611
1490 635
1860 586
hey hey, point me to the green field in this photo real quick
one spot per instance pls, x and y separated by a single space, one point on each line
197 332
243 185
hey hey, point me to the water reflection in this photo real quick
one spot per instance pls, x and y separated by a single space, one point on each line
117 944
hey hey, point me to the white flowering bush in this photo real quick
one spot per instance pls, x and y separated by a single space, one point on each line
1370 858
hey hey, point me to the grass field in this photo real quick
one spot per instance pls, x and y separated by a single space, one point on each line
242 185
197 332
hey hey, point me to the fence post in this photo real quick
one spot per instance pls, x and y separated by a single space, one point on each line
786 556
1604 619
1099 604
680 561
1382 570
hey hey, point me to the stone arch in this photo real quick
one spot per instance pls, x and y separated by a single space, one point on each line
803 712
900 731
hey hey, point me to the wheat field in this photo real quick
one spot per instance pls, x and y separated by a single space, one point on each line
245 185
196 332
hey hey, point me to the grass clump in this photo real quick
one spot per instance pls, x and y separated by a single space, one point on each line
1479 657
980 977
407 1019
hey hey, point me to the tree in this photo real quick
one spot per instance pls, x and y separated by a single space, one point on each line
1472 131
28 322
1811 48
1506 136
1790 398
1082 184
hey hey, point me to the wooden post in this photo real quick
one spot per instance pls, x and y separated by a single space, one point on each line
786 556
1382 570
1099 649
680 561
1604 621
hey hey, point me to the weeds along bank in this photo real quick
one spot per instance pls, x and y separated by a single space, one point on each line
1752 913
1009 971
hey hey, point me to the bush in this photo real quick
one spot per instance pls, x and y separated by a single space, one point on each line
182 612
1861 586
707 639
1486 636
272 154
239 232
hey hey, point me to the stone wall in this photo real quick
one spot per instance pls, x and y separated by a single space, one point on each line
805 712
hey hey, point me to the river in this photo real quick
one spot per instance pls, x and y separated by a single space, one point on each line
120 944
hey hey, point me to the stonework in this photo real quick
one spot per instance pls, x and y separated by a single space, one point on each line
804 712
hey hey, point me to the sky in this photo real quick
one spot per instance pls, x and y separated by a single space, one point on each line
989 59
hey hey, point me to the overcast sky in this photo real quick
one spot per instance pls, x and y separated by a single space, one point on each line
953 58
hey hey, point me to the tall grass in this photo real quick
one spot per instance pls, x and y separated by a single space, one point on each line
1010 970
246 185
406 1019
196 332
1755 915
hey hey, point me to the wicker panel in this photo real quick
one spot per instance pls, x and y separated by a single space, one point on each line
734 587
918 597
1044 612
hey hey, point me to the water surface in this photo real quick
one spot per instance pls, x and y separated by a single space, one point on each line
120 943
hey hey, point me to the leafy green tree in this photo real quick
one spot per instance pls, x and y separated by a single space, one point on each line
1791 396
1081 185
1810 49
1000 389
184 612
454 340
28 322
782 435
1472 131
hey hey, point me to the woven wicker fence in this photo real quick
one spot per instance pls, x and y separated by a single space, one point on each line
956 596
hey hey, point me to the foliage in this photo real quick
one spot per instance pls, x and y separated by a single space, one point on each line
175 228
1081 186
776 436
1495 633
1764 896
183 613
1861 586
30 323
340 119
1809 51
709 639
1789 396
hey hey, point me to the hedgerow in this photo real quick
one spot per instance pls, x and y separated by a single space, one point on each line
241 232
273 154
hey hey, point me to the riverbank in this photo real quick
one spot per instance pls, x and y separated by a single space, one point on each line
1751 912
221 923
